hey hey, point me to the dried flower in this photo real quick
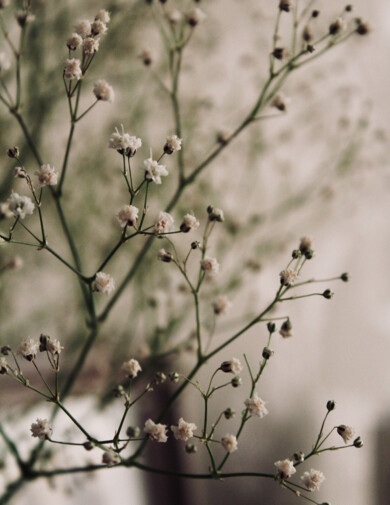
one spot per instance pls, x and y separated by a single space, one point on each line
195 16
72 69
3 366
103 16
210 266
189 223
164 222
305 245
215 214
256 406
49 344
124 142
90 45
47 176
285 329
146 56
104 283
156 432
74 41
221 305
232 366
20 205
285 468
337 26
165 256
280 53
280 102
4 63
83 28
103 91
131 368
13 152
127 216
172 144
229 413
184 430
28 349
285 5
98 27
110 458
41 429
346 433
288 277
313 479
229 443
154 171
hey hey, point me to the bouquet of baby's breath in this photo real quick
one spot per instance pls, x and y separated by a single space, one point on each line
185 251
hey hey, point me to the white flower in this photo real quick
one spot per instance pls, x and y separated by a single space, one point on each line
280 102
285 468
184 430
104 283
174 16
164 222
256 406
41 429
347 433
154 171
221 305
20 205
83 28
103 91
288 277
165 256
195 16
28 349
54 346
20 172
156 432
229 443
98 27
172 144
72 69
47 176
3 365
127 216
131 368
4 63
313 479
90 45
216 214
232 366
305 244
189 223
5 211
103 16
74 41
124 142
210 266
110 458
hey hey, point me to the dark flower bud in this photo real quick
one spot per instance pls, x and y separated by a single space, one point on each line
271 326
358 442
133 432
236 382
13 152
229 413
267 353
88 445
331 405
299 457
5 350
191 448
174 377
344 277
315 13
327 294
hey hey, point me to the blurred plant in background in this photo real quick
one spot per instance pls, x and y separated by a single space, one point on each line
196 149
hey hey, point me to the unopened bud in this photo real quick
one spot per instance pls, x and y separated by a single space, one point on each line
160 377
174 377
299 457
331 405
88 445
344 277
191 448
5 350
236 382
133 432
267 353
327 294
358 442
271 326
13 152
229 413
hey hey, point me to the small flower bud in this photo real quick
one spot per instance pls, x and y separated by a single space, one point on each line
296 254
223 136
5 350
307 34
88 445
285 5
271 326
13 152
229 413
133 432
337 26
231 366
344 277
309 254
236 382
195 16
285 329
20 173
327 294
174 377
118 391
191 448
331 405
280 53
310 48
195 245
315 13
349 8
363 28
299 457
215 214
164 256
358 443
172 144
267 353
160 377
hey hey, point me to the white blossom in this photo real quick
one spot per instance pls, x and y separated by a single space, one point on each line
110 458
305 244
184 430
47 176
190 222
210 266
347 433
103 91
232 366
288 277
221 305
174 16
195 16
127 216
98 27
83 28
20 205
313 479
104 283
286 468
103 16
131 368
90 45
172 144
164 222
72 69
154 171
156 432
74 41
229 443
124 142
28 348
41 429
53 345
256 406
165 256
